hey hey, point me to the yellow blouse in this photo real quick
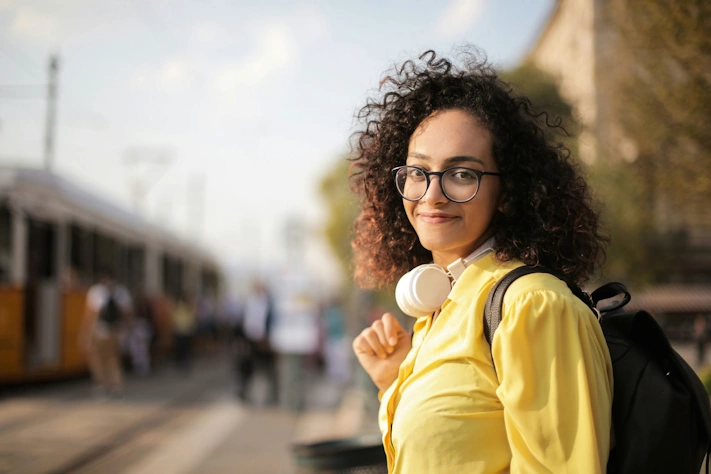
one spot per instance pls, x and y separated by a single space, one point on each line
544 408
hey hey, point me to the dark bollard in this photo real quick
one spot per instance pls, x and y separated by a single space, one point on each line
356 455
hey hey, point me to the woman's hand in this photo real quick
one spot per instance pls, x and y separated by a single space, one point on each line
381 348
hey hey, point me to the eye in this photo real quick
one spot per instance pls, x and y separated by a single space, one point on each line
463 176
415 174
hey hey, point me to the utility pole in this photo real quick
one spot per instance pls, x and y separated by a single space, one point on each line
51 112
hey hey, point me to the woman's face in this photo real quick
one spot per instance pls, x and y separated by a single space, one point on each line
448 229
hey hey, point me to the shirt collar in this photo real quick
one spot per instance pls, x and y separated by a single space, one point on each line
478 276
456 268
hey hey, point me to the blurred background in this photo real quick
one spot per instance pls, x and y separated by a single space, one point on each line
191 157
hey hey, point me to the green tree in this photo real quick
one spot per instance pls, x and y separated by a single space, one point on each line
541 89
660 94
654 85
612 183
343 208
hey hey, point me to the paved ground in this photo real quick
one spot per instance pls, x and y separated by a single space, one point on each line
167 422
173 423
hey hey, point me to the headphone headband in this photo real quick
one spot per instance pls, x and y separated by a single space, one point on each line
422 290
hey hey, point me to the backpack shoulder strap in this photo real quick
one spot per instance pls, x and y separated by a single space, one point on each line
495 300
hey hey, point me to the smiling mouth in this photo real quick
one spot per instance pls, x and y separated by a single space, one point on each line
436 218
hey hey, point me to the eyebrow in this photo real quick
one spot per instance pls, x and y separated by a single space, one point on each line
450 160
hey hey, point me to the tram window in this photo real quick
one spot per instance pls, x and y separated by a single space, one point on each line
121 256
5 251
41 261
172 276
80 254
135 268
105 254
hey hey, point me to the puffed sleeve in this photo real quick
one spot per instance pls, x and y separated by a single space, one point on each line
555 380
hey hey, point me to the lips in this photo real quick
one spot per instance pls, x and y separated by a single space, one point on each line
436 217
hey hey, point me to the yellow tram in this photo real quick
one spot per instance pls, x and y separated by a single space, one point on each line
54 238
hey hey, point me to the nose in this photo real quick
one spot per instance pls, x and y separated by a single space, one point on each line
434 194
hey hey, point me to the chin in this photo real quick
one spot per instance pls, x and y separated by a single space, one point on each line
444 245
437 245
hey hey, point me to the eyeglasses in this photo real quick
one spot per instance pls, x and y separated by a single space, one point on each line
457 184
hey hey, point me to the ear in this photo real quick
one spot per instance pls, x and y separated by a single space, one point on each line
500 203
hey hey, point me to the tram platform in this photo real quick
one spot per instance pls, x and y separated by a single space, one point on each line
173 423
168 422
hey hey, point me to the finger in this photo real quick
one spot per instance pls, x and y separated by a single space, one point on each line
379 329
392 328
358 346
361 344
371 336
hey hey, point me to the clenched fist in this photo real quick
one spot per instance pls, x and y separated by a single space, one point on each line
381 348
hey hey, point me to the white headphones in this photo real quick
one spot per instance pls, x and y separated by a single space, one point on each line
422 290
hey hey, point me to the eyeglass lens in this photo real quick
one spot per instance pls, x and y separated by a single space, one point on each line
458 184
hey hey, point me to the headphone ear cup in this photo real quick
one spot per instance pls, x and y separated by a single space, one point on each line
422 291
403 297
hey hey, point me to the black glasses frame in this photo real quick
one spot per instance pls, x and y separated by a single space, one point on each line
440 174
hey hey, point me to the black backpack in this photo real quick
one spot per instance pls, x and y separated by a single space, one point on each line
661 415
110 313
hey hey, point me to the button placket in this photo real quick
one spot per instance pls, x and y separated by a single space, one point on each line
405 371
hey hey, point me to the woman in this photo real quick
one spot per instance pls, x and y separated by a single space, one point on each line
452 166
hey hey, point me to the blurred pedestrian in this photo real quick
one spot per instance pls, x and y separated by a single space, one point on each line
207 321
140 334
107 312
296 339
183 316
230 318
337 347
257 328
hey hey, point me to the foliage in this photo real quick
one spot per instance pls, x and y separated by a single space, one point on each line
660 92
343 208
654 100
654 103
617 185
342 212
621 193
541 89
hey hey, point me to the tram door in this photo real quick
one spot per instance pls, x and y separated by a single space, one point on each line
42 328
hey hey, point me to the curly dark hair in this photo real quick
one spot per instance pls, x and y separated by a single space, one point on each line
547 215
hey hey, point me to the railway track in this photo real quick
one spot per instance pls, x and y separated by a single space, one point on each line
157 409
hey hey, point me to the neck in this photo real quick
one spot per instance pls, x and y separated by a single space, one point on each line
457 267
444 259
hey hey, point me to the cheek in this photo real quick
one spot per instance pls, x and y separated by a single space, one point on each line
493 198
481 213
409 210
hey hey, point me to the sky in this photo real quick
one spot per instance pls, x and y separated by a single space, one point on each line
225 113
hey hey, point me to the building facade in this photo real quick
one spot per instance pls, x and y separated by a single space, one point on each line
582 48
